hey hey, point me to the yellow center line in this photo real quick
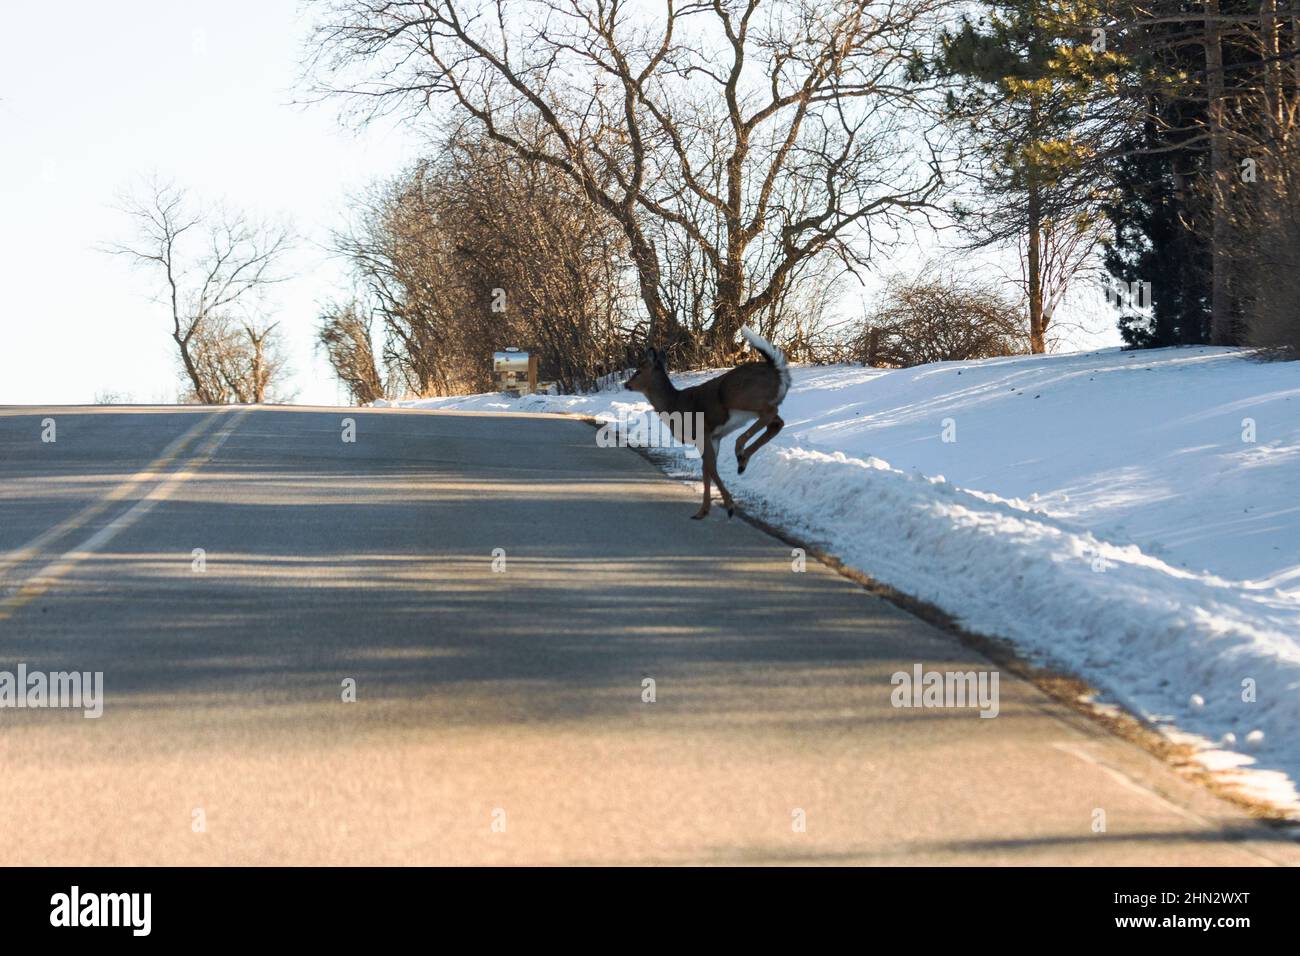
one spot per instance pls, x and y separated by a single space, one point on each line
41 581
150 472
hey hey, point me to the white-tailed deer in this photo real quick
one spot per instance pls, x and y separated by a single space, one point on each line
749 394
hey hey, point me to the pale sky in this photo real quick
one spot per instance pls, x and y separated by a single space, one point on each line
199 94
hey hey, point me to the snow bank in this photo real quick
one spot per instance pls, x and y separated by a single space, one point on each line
1132 517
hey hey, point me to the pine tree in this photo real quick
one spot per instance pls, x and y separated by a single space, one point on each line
1038 108
1156 210
1207 205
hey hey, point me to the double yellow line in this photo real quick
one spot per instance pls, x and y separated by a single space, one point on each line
156 472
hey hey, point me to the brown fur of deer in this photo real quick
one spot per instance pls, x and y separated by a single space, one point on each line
704 414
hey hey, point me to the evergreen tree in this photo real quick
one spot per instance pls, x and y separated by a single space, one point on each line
1038 108
1154 211
1219 85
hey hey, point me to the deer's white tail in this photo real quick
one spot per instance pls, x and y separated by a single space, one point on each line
772 354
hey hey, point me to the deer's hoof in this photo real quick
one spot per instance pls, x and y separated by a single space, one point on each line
698 515
731 511
740 467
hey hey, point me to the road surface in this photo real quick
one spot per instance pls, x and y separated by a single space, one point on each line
500 592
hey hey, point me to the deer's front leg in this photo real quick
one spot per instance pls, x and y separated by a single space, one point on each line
708 454
717 480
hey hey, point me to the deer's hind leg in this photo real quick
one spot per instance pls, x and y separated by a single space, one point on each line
768 419
745 436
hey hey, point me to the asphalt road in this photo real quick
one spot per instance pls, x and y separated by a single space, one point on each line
499 713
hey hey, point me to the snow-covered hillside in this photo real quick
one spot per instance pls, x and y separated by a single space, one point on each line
1133 517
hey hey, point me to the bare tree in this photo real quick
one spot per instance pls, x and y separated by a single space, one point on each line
1067 249
1221 320
766 131
475 249
1253 121
236 361
346 334
214 267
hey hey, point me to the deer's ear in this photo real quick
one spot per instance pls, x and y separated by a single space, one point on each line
659 357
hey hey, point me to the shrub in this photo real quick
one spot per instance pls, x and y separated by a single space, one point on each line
938 317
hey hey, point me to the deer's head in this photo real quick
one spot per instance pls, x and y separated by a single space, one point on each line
650 372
